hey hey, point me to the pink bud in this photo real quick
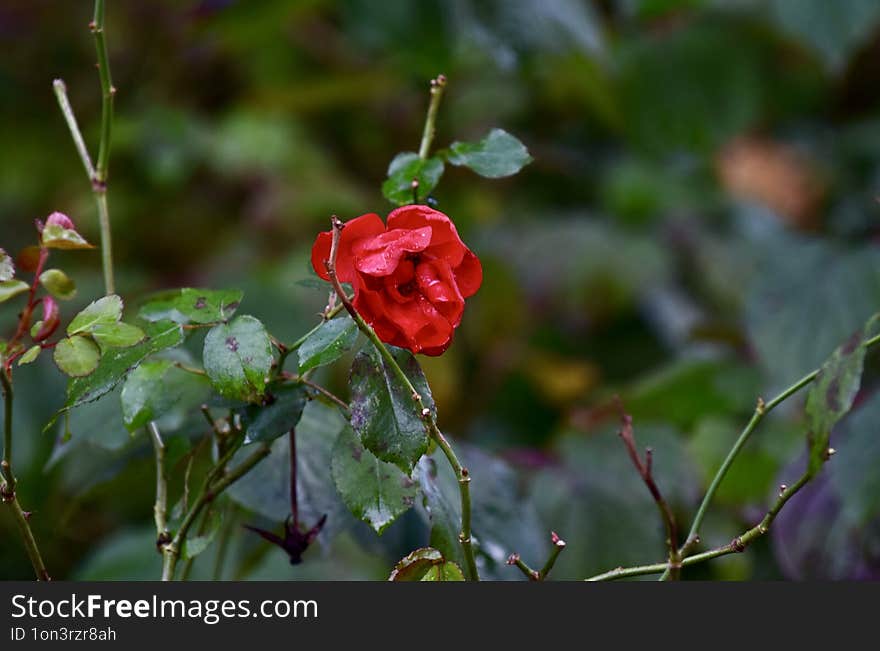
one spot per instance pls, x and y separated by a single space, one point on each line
60 219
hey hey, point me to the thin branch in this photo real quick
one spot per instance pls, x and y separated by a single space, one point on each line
735 546
516 561
645 471
294 502
539 575
437 86
210 490
427 417
107 92
555 551
762 408
160 508
301 379
7 489
75 133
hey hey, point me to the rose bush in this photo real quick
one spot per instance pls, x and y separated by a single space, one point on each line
410 278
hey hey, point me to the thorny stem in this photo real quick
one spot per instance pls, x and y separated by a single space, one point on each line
735 546
7 489
210 490
437 86
427 417
645 472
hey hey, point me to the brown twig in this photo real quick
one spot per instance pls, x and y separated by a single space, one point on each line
644 469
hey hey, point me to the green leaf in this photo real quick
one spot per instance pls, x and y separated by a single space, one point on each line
117 335
237 357
56 236
833 391
12 288
157 387
106 310
425 564
76 356
328 343
32 353
266 423
383 412
7 267
195 545
117 363
447 571
374 491
58 284
497 155
192 305
403 169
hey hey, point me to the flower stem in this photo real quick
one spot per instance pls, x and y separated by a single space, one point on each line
7 489
433 431
437 86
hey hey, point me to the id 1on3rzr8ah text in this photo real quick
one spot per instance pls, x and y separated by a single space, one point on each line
63 634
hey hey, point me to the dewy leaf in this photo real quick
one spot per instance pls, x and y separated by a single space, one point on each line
117 363
11 289
374 491
425 564
237 357
497 155
383 412
55 236
328 343
76 356
117 335
7 268
403 169
58 284
833 391
155 388
192 305
266 423
444 572
106 310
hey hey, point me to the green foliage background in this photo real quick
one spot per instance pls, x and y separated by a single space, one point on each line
698 228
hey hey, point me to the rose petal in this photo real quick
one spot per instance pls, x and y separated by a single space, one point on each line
445 242
469 274
380 255
437 284
355 230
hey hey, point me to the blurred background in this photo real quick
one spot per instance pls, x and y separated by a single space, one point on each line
698 228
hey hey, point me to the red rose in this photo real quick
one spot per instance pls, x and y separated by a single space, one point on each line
410 277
